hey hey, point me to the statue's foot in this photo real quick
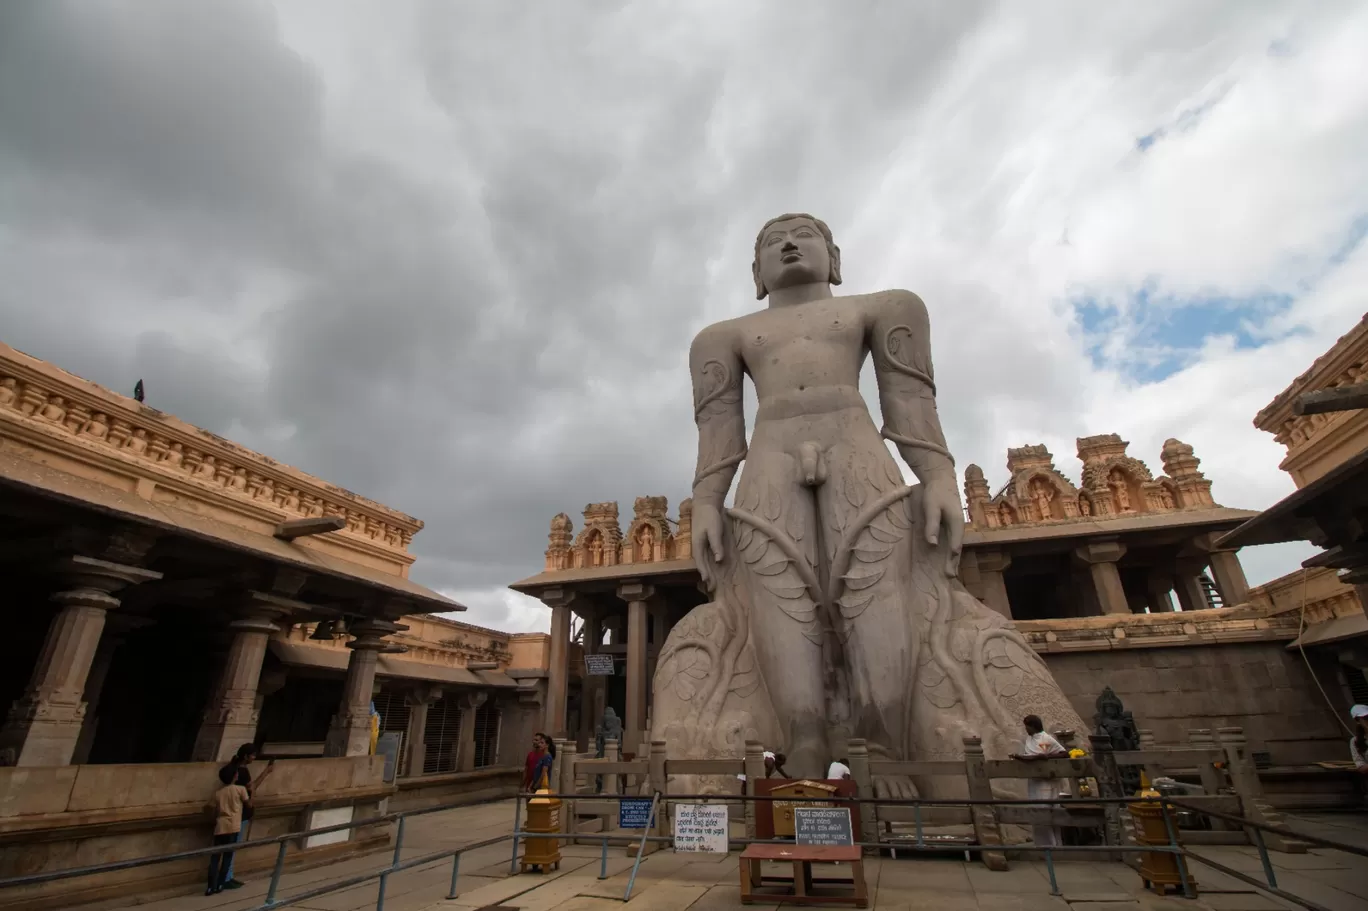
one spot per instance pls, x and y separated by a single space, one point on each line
807 758
895 787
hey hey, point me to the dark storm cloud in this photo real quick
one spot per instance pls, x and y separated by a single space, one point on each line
482 353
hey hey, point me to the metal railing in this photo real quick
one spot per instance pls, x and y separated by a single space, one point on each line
283 843
920 844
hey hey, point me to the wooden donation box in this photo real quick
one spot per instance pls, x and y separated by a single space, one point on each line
778 821
783 809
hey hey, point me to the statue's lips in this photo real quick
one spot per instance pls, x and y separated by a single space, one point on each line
790 257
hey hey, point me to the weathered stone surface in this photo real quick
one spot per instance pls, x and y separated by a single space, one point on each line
835 611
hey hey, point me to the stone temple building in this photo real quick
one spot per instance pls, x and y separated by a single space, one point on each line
174 595
1330 612
1116 580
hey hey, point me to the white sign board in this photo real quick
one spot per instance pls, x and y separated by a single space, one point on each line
700 828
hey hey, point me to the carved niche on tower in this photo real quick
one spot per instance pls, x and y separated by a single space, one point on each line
649 537
1184 485
558 555
1037 492
600 541
1116 484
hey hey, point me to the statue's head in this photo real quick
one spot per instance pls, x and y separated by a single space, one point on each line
609 712
794 249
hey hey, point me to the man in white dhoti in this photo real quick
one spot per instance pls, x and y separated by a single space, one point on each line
1040 745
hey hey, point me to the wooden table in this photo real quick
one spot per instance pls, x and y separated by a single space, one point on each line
802 888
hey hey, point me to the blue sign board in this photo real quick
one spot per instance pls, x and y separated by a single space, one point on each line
634 813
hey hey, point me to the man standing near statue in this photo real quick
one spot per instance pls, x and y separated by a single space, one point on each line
836 610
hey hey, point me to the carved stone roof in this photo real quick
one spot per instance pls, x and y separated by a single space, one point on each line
652 536
1115 485
1342 365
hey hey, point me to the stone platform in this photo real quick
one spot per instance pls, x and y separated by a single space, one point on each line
676 882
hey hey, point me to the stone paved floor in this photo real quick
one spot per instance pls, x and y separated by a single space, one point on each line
670 882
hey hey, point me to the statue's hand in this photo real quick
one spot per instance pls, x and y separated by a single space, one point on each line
942 514
707 542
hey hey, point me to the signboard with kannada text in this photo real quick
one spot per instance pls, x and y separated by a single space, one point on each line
634 813
822 826
598 665
701 828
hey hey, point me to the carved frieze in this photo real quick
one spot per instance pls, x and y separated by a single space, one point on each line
39 402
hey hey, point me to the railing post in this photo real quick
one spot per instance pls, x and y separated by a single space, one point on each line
517 824
659 784
985 820
275 873
566 785
1245 777
755 770
455 872
857 753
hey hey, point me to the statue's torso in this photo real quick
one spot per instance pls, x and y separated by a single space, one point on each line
805 348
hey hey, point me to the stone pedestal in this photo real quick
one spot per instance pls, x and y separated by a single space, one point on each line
991 566
557 690
349 733
1101 558
45 723
232 715
465 755
637 597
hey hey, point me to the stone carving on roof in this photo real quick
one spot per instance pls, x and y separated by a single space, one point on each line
44 406
652 537
1115 484
649 537
600 541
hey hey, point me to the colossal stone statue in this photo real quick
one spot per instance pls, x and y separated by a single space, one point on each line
836 607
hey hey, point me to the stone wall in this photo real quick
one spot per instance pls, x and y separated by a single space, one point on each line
63 817
1259 686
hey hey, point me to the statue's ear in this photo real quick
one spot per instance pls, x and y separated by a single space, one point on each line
835 278
761 292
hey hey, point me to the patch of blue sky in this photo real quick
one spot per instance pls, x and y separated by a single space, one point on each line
1149 335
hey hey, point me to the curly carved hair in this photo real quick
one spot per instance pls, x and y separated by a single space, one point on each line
833 251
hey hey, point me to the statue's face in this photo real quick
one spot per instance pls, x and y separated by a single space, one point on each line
793 252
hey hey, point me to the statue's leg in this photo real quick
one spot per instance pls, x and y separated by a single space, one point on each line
869 552
774 535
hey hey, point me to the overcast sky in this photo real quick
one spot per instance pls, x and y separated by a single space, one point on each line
451 255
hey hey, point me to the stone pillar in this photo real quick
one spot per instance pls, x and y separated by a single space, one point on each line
44 724
1229 577
416 737
465 754
1158 596
991 565
637 596
592 688
1101 557
349 733
117 628
231 717
1187 584
557 690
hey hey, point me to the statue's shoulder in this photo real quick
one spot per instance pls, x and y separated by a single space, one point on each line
720 335
895 301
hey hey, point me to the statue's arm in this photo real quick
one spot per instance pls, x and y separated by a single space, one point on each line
717 372
900 339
